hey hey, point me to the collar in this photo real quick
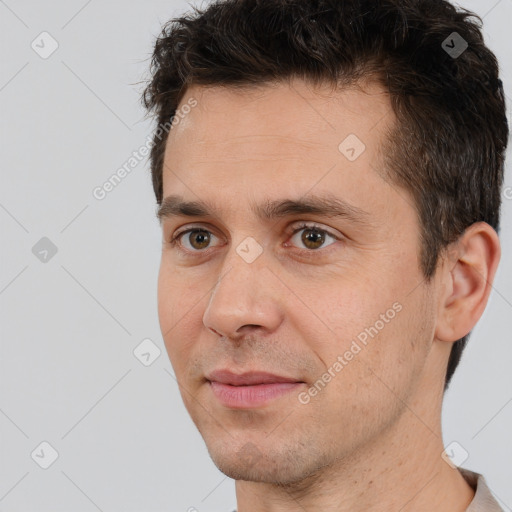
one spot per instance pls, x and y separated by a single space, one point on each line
483 501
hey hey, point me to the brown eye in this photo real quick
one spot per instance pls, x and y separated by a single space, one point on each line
313 237
196 240
199 239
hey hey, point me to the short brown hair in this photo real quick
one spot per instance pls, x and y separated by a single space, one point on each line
448 146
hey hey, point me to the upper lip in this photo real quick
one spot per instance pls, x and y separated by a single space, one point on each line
248 378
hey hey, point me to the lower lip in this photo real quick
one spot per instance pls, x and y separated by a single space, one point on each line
251 396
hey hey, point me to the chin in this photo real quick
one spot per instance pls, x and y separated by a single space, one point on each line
252 464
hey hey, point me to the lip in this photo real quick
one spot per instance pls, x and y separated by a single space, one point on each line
250 390
248 378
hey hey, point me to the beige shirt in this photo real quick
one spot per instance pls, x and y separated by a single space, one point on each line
483 501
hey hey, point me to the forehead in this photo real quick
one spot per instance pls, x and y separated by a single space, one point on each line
284 116
251 144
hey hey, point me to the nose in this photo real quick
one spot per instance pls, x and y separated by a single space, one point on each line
245 298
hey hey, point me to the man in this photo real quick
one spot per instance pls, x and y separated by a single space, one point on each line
329 196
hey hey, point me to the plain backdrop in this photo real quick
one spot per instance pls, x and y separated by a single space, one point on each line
78 280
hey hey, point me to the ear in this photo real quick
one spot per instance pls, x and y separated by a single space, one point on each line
466 281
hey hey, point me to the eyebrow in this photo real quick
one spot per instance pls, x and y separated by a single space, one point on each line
328 205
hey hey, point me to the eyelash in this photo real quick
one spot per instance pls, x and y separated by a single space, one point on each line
174 241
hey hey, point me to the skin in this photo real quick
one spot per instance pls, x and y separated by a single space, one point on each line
371 439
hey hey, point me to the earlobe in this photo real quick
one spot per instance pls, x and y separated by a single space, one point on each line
467 279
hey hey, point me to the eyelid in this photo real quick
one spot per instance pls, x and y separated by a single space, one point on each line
302 224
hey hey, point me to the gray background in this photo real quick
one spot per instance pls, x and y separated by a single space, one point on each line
69 325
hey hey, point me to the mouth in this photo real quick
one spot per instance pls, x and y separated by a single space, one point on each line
250 390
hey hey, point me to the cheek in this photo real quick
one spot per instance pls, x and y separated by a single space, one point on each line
349 309
177 303
382 336
394 348
177 294
167 304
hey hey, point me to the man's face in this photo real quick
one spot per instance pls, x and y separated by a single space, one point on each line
248 294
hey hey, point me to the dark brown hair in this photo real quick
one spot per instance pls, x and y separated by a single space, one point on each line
448 146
